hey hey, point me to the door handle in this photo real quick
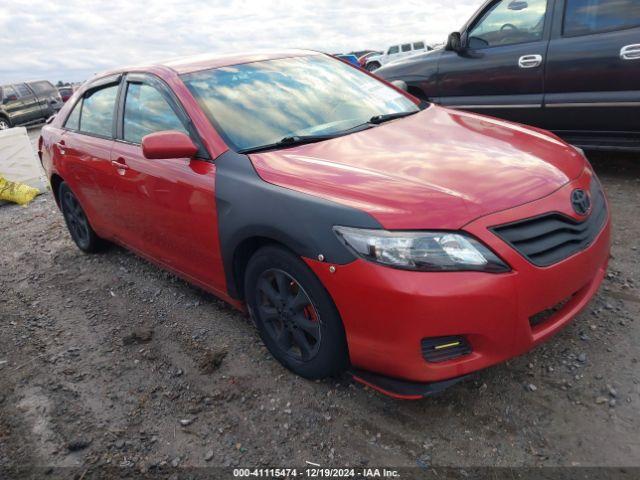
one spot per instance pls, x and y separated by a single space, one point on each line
120 163
530 61
60 146
630 52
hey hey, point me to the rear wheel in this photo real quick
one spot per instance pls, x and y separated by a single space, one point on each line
295 315
77 222
5 123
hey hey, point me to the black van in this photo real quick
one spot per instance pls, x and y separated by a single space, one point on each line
27 103
569 66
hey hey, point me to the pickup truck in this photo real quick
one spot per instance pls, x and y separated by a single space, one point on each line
28 103
396 52
569 66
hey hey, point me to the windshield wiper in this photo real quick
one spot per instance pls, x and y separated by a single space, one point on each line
376 119
291 141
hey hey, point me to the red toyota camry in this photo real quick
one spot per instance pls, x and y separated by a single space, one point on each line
364 231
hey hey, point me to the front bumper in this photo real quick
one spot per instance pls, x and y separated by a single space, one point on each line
387 312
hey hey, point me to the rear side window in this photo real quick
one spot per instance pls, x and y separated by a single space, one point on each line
147 111
406 47
392 50
41 87
73 120
97 111
418 46
582 17
23 90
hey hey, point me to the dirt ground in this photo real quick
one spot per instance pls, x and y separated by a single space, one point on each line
106 360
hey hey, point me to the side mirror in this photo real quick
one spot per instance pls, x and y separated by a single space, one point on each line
168 144
454 42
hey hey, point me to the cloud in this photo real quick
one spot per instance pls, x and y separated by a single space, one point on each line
74 39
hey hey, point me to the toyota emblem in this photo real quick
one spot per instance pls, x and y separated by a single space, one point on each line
580 201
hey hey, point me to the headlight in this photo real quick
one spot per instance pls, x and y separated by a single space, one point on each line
424 251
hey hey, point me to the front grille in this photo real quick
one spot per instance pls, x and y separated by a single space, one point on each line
552 237
440 349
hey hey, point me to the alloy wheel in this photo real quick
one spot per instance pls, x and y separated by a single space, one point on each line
288 314
76 219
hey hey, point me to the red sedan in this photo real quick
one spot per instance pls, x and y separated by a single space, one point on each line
363 231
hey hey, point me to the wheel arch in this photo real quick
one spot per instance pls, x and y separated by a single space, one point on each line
55 182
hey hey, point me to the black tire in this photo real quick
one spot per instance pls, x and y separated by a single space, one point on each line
295 319
372 66
5 123
77 222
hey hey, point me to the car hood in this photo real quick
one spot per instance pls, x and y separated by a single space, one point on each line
439 168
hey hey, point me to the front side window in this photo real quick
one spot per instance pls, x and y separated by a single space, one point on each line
9 92
418 46
393 50
41 87
406 47
97 111
146 111
582 17
260 103
73 120
509 22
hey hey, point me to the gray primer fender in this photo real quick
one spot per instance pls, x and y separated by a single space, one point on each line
250 207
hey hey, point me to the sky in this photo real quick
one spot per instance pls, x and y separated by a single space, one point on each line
73 39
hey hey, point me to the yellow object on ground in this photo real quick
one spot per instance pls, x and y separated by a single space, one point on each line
16 192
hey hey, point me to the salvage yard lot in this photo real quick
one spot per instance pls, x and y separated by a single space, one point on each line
107 360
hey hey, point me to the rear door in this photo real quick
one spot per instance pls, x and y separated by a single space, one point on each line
30 107
85 147
165 208
593 69
501 72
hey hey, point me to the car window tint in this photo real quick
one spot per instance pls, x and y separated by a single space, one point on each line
508 22
97 111
146 111
41 87
393 50
8 91
73 120
406 47
418 46
582 17
23 90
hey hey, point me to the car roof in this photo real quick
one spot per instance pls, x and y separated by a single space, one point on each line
207 61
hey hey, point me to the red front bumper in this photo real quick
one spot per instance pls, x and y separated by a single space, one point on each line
387 312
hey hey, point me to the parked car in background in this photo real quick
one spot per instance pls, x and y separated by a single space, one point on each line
569 66
362 60
28 103
352 59
396 52
362 229
65 92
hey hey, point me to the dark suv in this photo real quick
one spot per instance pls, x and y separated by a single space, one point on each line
27 103
570 66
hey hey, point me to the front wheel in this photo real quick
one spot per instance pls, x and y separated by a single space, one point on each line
296 318
5 123
77 222
372 66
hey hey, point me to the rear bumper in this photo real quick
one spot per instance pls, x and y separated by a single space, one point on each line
387 312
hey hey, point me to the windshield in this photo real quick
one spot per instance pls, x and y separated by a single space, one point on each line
260 103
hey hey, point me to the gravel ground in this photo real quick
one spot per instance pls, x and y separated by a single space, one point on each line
106 360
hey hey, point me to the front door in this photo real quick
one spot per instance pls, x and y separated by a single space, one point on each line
166 208
501 70
593 69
